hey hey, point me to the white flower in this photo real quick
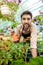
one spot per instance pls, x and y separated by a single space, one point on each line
5 10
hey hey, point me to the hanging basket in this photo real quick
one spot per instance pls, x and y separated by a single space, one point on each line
5 10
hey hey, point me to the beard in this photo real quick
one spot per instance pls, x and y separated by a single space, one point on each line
26 26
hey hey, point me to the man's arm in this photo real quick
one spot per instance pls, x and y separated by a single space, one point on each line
34 52
19 30
33 43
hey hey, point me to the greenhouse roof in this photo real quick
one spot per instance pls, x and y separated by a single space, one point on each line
31 5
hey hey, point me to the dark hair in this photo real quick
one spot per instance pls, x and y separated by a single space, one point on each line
26 12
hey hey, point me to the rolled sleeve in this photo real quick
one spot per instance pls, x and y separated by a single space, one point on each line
19 30
33 42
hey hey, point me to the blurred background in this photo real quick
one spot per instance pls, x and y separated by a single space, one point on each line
10 12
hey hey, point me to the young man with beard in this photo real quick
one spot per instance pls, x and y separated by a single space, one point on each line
28 30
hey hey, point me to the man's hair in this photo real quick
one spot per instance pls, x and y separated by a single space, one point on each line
26 12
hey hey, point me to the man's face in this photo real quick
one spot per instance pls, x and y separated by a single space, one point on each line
26 20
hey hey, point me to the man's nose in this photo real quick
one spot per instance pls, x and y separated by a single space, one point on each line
26 21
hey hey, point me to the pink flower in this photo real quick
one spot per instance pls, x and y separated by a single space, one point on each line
9 0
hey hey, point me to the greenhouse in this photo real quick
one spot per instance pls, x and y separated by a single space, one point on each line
15 50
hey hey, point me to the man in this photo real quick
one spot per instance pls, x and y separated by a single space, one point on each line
28 30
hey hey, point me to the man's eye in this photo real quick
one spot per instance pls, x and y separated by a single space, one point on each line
28 19
24 18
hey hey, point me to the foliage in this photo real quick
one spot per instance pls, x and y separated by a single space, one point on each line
12 7
36 61
18 62
1 30
40 46
11 51
14 53
5 55
0 15
14 24
33 61
40 18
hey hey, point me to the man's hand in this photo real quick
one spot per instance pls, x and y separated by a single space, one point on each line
34 52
